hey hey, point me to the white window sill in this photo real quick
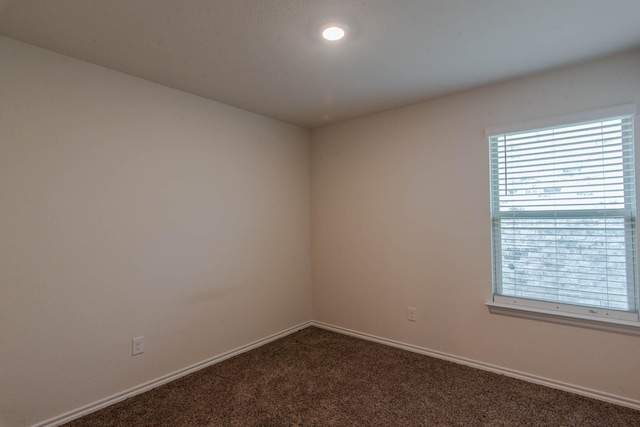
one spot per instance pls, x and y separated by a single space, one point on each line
611 325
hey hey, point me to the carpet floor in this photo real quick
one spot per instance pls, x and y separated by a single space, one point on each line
315 377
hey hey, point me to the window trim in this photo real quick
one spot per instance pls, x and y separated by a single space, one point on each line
557 121
564 318
628 322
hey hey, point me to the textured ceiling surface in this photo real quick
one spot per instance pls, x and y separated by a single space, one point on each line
265 56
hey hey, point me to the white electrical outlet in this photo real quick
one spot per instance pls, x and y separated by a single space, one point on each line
138 346
411 314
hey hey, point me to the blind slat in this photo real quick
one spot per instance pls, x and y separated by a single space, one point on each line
563 203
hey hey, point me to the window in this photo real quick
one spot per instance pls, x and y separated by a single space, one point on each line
564 215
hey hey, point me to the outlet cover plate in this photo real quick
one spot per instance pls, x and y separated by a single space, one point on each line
137 346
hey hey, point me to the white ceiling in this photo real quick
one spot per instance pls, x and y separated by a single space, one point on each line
265 55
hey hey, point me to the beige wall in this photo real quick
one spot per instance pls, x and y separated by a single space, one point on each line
129 209
400 217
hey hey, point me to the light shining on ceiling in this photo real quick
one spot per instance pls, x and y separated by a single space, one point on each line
333 33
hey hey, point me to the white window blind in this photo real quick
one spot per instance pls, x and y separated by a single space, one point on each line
563 217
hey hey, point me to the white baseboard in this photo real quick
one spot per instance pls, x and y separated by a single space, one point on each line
103 403
572 388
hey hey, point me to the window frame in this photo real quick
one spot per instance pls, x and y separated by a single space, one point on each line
578 315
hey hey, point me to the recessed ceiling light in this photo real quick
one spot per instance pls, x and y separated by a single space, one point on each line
333 33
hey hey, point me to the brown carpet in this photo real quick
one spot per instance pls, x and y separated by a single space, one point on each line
320 378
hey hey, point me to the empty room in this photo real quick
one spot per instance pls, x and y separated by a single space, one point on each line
319 212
